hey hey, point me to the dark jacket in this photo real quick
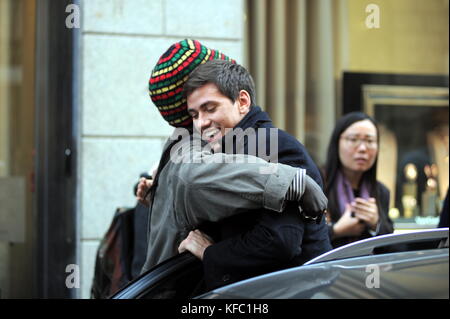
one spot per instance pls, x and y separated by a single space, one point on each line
261 242
385 223
115 258
443 218
195 186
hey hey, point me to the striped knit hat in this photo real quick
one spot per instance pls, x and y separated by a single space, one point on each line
170 74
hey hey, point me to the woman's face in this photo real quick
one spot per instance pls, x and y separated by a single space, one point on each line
358 147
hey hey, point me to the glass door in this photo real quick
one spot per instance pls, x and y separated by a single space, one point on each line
17 114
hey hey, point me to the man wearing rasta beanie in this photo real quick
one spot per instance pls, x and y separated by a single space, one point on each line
185 195
220 98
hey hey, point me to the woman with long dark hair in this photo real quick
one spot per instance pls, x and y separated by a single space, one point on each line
357 203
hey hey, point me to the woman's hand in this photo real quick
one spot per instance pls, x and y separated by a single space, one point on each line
348 225
142 189
367 211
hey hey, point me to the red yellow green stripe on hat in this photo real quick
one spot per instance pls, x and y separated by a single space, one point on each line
171 73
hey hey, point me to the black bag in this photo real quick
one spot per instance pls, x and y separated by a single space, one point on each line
112 265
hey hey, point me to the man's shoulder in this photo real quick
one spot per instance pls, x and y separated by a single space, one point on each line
284 137
289 138
288 144
292 152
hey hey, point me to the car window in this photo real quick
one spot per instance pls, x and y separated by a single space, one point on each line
411 246
181 284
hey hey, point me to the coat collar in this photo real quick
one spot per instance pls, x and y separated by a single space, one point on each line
253 117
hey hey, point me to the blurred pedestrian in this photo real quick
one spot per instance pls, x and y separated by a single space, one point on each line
358 204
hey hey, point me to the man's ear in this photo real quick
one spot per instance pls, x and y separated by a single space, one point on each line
244 102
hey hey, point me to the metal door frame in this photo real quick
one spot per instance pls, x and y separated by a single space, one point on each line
55 204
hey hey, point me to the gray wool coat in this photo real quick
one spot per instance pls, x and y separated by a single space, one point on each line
197 185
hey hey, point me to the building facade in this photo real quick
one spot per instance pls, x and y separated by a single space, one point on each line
78 127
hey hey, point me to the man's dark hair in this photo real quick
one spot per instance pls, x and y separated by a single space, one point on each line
230 78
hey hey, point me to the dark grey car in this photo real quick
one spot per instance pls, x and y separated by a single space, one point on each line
411 265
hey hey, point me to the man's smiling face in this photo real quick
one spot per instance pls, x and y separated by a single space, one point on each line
214 114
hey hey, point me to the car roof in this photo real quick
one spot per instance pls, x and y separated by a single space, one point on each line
350 271
419 274
370 246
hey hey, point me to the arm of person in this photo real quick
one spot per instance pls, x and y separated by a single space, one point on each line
142 191
385 224
347 225
274 242
211 187
375 216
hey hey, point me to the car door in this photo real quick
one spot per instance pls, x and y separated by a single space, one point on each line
179 277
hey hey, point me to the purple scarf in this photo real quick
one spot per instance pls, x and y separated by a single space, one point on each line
345 192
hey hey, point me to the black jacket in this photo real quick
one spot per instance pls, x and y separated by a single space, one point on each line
443 218
263 241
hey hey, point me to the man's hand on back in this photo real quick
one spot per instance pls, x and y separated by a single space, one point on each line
312 201
196 242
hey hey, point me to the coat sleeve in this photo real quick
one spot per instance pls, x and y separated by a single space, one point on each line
386 226
274 242
212 187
